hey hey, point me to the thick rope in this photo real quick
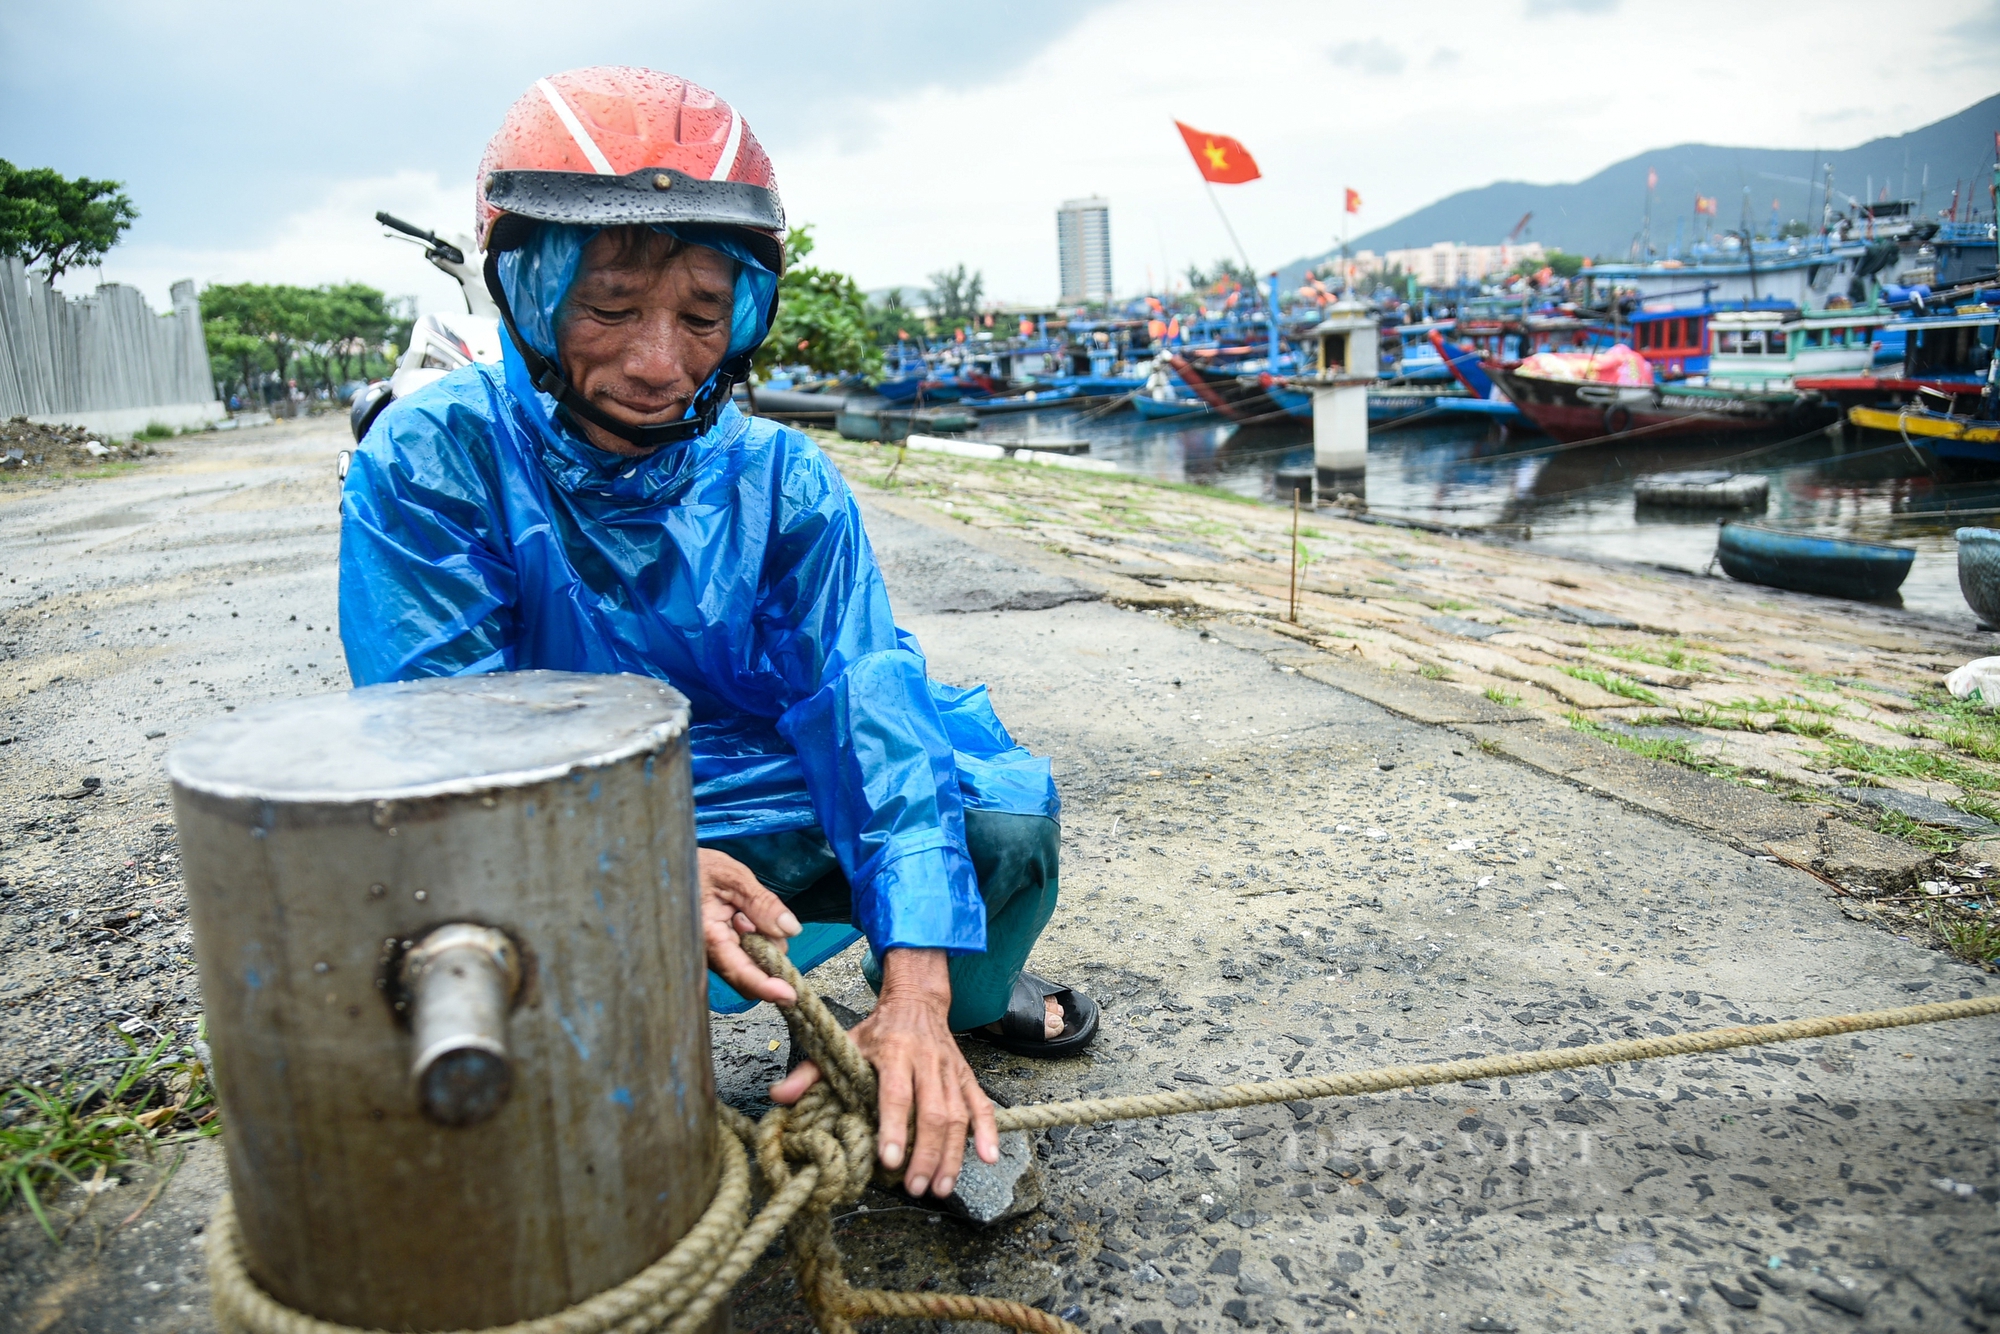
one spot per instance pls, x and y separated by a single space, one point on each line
817 1157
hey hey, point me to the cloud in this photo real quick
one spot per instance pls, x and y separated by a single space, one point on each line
1540 8
1373 56
204 141
333 239
1444 58
910 146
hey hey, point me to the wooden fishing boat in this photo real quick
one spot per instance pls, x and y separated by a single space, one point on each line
1979 572
1839 567
1917 422
1573 410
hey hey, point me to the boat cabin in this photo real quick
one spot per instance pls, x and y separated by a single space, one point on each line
1953 348
1673 342
1767 350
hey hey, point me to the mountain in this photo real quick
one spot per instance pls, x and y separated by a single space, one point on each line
1602 216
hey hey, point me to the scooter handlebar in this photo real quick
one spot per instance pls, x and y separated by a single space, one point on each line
442 248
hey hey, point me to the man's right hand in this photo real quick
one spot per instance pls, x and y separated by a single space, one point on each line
735 903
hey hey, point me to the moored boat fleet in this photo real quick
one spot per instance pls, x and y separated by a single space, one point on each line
1882 322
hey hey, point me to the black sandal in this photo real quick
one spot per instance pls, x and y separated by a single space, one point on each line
1022 1028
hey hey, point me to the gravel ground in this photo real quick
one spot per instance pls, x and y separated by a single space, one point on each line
1263 876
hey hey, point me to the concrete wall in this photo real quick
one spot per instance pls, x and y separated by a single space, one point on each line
103 360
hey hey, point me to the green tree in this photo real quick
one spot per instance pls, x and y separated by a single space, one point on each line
1224 272
822 320
230 345
955 294
280 319
48 219
1560 262
890 318
350 320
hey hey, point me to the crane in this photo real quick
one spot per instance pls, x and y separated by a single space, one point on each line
1515 235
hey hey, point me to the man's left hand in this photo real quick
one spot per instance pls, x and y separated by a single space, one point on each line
919 1067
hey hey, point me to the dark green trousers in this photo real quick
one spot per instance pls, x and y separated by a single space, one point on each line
1015 857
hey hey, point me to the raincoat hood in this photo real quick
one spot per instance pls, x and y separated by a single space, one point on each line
537 277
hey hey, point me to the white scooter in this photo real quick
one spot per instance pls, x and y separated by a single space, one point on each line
439 344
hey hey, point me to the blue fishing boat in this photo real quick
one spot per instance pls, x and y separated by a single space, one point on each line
1387 404
1838 567
1486 409
1160 409
901 388
1486 400
1031 401
1093 385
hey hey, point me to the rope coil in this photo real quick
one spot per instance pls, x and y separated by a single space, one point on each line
818 1156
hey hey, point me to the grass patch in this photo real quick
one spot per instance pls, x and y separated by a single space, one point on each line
1502 698
1488 746
1800 717
1453 604
1377 579
1673 654
1967 726
1613 682
1934 766
1430 671
1928 837
120 1109
1974 937
1672 750
156 431
1973 804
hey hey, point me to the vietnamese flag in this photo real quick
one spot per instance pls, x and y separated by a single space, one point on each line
1220 158
1353 201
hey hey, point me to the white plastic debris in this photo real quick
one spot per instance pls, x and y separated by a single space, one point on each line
94 449
1979 677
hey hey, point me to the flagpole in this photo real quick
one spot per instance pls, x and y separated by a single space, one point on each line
1241 253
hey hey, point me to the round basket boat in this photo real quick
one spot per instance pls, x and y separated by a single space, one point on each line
1840 567
1979 572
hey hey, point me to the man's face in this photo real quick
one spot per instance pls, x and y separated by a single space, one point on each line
639 333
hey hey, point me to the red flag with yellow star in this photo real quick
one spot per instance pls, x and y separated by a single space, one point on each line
1220 158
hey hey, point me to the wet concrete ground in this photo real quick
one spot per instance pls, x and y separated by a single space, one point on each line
1263 875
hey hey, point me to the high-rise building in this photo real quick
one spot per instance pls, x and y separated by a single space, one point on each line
1083 248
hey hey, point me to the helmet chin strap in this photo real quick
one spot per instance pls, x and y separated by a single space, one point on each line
549 378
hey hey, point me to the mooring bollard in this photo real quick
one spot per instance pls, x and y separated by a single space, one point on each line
452 968
1346 367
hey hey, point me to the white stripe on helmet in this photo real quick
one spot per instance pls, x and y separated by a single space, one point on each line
729 147
575 128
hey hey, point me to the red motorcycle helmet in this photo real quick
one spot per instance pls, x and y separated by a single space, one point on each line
611 146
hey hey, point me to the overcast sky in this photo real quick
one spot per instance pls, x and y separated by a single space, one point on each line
258 140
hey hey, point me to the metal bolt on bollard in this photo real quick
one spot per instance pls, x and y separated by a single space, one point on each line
461 980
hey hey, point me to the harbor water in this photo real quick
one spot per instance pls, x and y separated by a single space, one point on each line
1576 500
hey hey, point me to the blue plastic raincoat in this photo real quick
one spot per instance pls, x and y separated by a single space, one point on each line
481 533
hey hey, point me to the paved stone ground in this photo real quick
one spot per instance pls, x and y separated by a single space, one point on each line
1263 875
